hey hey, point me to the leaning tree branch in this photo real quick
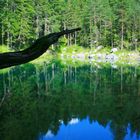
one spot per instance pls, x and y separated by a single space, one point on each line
40 46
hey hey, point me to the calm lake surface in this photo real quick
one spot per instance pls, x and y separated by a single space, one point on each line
64 102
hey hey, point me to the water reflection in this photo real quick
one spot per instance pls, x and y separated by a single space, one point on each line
40 101
84 130
80 130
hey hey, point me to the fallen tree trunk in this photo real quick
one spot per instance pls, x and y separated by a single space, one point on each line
37 49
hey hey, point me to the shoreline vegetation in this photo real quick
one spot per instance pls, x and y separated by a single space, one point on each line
74 55
78 55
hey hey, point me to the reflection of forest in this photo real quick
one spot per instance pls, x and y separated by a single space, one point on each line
35 99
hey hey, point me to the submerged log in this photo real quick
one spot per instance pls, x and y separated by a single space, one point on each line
37 49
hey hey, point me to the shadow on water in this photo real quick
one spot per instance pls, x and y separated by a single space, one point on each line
64 102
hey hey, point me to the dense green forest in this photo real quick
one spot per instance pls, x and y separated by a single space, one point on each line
110 23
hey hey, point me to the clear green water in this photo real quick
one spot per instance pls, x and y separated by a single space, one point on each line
57 102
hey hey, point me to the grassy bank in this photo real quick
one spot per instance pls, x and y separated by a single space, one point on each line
4 48
77 55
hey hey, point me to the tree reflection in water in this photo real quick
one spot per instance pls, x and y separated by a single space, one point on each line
37 99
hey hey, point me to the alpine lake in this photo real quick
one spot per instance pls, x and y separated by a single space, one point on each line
64 101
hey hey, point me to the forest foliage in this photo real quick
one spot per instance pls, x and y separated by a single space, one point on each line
110 23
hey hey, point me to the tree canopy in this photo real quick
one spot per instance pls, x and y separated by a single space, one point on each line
112 23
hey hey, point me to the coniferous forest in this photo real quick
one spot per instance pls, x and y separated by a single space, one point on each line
110 23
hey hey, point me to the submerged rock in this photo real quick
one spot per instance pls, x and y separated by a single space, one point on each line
81 56
111 57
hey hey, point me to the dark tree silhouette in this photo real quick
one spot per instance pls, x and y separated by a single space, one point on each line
37 49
